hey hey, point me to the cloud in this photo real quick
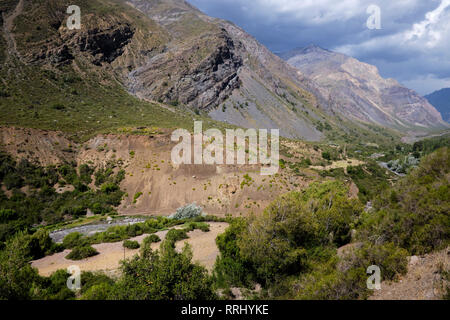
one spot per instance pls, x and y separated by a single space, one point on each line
427 28
413 45
417 56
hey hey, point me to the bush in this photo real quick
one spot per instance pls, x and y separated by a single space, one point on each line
82 252
109 187
175 235
13 181
230 268
137 196
89 279
101 291
333 278
40 244
16 274
55 287
414 214
86 173
74 239
163 275
276 243
131 244
326 155
187 212
153 238
197 225
7 215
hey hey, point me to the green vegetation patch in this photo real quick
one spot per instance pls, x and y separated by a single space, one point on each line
82 252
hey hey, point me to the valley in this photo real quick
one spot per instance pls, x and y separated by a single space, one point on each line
87 173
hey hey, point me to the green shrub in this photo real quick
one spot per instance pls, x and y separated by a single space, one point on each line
332 278
175 235
326 155
153 238
276 242
101 291
131 244
13 181
74 239
414 213
90 279
86 173
230 268
16 274
7 215
137 196
164 275
197 225
40 244
109 187
82 252
55 287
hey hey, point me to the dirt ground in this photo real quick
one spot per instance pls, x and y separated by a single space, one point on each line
423 281
203 246
340 164
163 186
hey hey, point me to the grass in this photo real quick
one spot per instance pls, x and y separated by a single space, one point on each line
46 100
83 108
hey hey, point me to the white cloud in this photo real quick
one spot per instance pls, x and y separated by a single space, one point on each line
429 29
428 33
424 50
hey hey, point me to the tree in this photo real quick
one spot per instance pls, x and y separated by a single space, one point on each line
276 242
164 275
16 274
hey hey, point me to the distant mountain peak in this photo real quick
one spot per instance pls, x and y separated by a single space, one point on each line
357 90
313 48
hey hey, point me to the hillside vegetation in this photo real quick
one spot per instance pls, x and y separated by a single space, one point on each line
292 248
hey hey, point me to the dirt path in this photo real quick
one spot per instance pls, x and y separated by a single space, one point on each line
422 282
8 26
203 246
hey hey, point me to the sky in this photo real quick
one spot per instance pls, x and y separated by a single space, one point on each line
412 44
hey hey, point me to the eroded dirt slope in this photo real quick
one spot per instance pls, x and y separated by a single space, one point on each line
163 187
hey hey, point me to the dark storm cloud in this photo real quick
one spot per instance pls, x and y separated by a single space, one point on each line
413 45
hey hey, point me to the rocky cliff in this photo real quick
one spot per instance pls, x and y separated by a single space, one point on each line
357 90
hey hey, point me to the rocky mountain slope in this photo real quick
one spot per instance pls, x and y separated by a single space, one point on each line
163 62
214 66
357 90
164 52
441 101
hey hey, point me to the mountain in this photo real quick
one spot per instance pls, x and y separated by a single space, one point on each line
441 101
164 52
162 63
357 90
215 67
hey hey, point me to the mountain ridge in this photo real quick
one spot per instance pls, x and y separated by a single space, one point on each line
440 99
359 91
172 57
